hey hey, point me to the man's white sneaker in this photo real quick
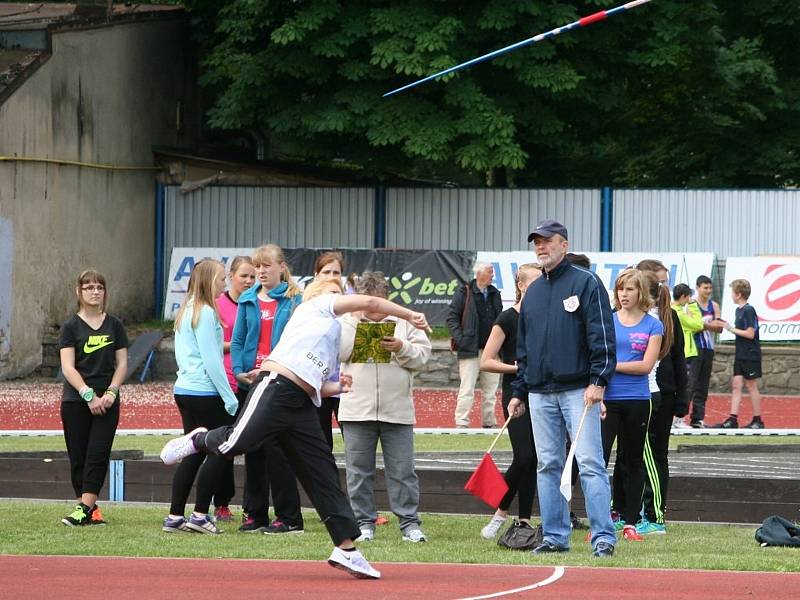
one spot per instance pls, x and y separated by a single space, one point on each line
414 535
367 535
490 531
679 423
176 450
354 563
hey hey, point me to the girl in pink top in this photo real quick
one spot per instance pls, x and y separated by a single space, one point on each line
242 275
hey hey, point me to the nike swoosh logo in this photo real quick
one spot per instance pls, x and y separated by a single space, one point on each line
87 349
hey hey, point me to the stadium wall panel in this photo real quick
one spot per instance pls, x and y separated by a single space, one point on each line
725 222
487 219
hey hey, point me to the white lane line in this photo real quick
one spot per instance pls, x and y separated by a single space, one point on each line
558 573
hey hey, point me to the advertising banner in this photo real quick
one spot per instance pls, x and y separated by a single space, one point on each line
683 267
775 294
423 280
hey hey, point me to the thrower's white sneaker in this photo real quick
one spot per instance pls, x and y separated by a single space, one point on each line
354 563
176 450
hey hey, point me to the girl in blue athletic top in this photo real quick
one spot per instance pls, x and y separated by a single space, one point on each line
627 398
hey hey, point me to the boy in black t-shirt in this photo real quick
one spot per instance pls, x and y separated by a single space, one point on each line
747 360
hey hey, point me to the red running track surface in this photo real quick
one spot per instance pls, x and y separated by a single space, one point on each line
151 406
76 578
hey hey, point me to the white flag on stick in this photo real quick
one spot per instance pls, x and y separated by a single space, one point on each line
566 475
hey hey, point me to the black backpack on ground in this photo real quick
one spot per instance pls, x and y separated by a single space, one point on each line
521 536
777 531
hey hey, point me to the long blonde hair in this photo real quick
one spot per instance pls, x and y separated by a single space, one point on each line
201 290
639 281
317 287
524 273
274 253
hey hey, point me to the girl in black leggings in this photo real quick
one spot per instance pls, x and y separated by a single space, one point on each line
94 361
521 474
202 393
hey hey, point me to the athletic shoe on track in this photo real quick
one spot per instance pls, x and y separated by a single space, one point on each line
174 525
279 527
629 534
679 423
698 425
354 563
414 535
367 535
756 423
729 423
251 525
95 516
78 517
176 450
603 550
645 527
489 532
223 513
203 524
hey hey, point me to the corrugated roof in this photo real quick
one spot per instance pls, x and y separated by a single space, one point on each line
42 14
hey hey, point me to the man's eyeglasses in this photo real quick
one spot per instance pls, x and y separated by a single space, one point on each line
93 288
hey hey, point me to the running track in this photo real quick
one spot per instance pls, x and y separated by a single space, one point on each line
73 577
151 406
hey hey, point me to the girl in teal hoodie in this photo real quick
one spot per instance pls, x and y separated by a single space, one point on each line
262 315
202 393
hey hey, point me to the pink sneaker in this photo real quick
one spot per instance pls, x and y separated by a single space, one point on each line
223 513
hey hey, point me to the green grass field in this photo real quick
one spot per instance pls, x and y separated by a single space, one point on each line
136 531
151 444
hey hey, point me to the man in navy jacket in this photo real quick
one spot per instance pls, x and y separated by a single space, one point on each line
566 353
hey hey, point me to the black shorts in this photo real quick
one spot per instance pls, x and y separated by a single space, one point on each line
749 369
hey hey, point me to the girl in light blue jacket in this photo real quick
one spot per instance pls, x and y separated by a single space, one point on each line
202 393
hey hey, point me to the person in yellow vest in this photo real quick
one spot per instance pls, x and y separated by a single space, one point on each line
691 319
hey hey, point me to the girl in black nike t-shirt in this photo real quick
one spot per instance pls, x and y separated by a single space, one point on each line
94 360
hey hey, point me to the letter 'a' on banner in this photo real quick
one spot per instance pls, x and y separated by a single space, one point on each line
487 483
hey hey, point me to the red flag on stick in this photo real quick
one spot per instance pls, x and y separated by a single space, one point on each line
487 483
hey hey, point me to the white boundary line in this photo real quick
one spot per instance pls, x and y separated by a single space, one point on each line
431 431
436 431
558 573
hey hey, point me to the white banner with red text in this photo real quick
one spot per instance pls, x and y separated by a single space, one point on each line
775 294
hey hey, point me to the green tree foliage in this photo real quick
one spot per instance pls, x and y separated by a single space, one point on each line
673 93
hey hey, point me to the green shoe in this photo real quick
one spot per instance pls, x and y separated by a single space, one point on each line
645 527
78 517
619 525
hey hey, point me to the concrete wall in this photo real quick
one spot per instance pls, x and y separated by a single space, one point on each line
106 95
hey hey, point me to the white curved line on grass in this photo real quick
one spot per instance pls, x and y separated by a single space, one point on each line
558 573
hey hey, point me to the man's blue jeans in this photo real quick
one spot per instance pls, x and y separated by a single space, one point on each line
552 416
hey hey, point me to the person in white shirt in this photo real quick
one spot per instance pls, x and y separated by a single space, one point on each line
281 408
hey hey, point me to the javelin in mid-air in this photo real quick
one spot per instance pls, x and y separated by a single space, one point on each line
598 16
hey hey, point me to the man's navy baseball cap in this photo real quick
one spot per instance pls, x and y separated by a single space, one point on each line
547 229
